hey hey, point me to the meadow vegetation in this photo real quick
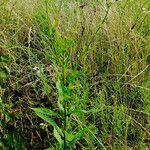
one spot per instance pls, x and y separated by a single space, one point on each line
74 74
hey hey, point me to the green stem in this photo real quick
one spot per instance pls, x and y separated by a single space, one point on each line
65 125
47 15
65 105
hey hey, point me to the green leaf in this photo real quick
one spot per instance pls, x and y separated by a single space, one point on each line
50 121
69 136
45 111
4 58
58 137
59 87
60 92
7 116
4 72
77 136
3 75
7 69
47 119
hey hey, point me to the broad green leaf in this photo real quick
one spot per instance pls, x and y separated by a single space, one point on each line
46 118
45 111
58 137
50 121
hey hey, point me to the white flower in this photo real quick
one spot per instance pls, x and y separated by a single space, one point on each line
42 124
37 70
38 73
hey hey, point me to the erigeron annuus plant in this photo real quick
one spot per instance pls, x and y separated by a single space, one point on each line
65 136
68 109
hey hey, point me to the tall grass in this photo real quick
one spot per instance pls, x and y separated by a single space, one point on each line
82 66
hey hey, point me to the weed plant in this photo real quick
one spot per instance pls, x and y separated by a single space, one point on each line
75 74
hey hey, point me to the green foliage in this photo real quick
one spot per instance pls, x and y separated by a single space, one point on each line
65 135
82 67
10 139
4 70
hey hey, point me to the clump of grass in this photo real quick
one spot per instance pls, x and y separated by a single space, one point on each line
83 66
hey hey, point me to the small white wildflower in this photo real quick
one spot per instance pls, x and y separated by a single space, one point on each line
42 124
35 68
38 72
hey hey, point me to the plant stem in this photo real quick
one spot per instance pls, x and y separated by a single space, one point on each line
65 105
65 125
47 15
